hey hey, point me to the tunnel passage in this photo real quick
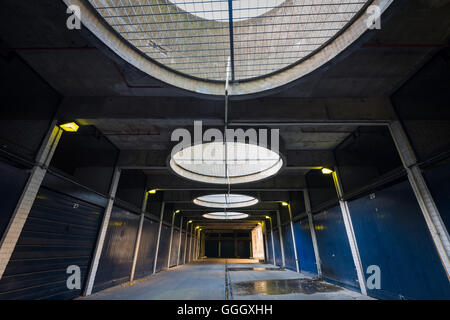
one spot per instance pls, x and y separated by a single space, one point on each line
353 200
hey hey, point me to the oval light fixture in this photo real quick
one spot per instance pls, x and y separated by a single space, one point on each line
225 215
225 201
238 162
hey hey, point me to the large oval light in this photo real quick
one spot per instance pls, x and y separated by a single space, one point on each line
226 163
225 201
225 215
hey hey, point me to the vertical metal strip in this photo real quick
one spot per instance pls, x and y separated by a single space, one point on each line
102 233
273 245
161 216
171 240
283 260
230 25
433 219
179 241
20 215
185 242
350 232
313 232
297 266
139 233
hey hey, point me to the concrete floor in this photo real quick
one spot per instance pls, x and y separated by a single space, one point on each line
208 279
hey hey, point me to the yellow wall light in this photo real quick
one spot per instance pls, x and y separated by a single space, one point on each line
326 171
69 126
153 191
190 221
267 217
177 211
284 204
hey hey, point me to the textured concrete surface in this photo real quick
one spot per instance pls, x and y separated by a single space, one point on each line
205 280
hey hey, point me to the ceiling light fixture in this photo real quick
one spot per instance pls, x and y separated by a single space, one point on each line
225 201
225 215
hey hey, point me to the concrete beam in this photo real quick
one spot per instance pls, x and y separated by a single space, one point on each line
167 109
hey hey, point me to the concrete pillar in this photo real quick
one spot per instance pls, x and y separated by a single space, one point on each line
313 232
138 237
179 241
161 216
281 239
350 232
171 239
185 242
273 245
266 251
190 243
433 219
25 203
293 239
102 233
235 243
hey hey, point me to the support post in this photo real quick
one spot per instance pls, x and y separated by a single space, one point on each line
313 232
171 239
266 251
273 245
25 203
433 219
185 242
350 232
190 243
283 260
161 216
179 241
138 238
293 239
102 233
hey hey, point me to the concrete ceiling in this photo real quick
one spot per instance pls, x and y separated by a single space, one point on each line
137 113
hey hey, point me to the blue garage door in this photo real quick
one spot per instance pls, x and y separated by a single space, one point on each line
174 250
334 249
118 249
147 248
305 249
163 251
392 234
60 231
289 255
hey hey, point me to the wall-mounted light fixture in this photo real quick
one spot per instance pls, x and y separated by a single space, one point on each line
69 126
177 211
284 204
153 191
326 171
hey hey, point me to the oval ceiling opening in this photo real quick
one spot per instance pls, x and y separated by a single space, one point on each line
225 215
225 201
230 163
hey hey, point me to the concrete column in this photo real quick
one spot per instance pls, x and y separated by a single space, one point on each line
139 233
313 232
185 242
235 244
161 216
171 239
190 243
102 233
266 251
273 245
293 239
179 241
350 232
433 219
25 203
281 239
